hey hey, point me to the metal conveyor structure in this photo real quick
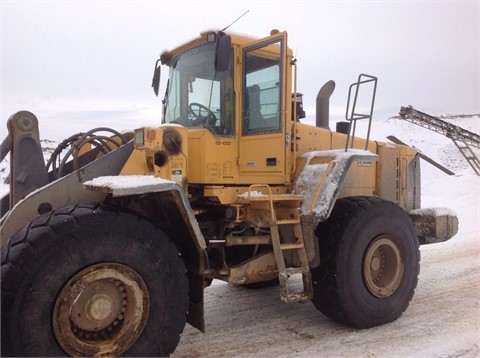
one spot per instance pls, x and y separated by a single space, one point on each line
462 138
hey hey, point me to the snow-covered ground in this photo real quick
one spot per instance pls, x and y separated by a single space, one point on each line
443 319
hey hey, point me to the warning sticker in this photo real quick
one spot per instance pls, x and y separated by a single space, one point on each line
177 175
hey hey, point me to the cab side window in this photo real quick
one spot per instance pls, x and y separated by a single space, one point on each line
261 94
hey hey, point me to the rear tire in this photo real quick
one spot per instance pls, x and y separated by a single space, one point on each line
369 262
92 280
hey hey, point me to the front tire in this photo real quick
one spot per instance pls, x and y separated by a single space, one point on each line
369 262
92 280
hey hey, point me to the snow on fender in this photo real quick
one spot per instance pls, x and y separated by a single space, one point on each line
122 185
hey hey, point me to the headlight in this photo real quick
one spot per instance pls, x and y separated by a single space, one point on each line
172 141
139 138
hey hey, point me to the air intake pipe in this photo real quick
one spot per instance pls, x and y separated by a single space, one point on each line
323 105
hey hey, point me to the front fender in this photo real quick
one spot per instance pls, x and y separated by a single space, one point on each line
165 203
171 207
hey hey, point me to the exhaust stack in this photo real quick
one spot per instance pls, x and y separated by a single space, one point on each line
323 105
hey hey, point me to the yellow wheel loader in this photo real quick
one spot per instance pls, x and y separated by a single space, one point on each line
107 249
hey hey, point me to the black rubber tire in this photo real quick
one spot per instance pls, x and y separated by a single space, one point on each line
340 291
38 261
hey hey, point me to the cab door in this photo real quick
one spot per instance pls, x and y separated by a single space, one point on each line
263 138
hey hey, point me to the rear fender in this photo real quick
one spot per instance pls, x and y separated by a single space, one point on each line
319 181
322 177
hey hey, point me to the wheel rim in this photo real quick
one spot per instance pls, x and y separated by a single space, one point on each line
101 311
383 266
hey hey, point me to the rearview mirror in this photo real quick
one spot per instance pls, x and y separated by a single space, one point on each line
223 52
156 78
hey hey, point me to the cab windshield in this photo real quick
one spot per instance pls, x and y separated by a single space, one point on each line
197 96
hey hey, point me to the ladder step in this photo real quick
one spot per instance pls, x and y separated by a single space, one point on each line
292 246
288 221
289 271
299 296
286 213
274 197
296 297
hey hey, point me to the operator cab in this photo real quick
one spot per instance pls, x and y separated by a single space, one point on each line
231 93
199 92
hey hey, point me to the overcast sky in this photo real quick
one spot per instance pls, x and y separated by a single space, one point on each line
88 63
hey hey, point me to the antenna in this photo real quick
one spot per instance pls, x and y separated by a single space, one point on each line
238 18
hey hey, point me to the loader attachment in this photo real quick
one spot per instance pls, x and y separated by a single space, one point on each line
64 191
27 167
28 171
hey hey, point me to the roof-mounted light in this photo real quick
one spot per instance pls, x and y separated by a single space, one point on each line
211 37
